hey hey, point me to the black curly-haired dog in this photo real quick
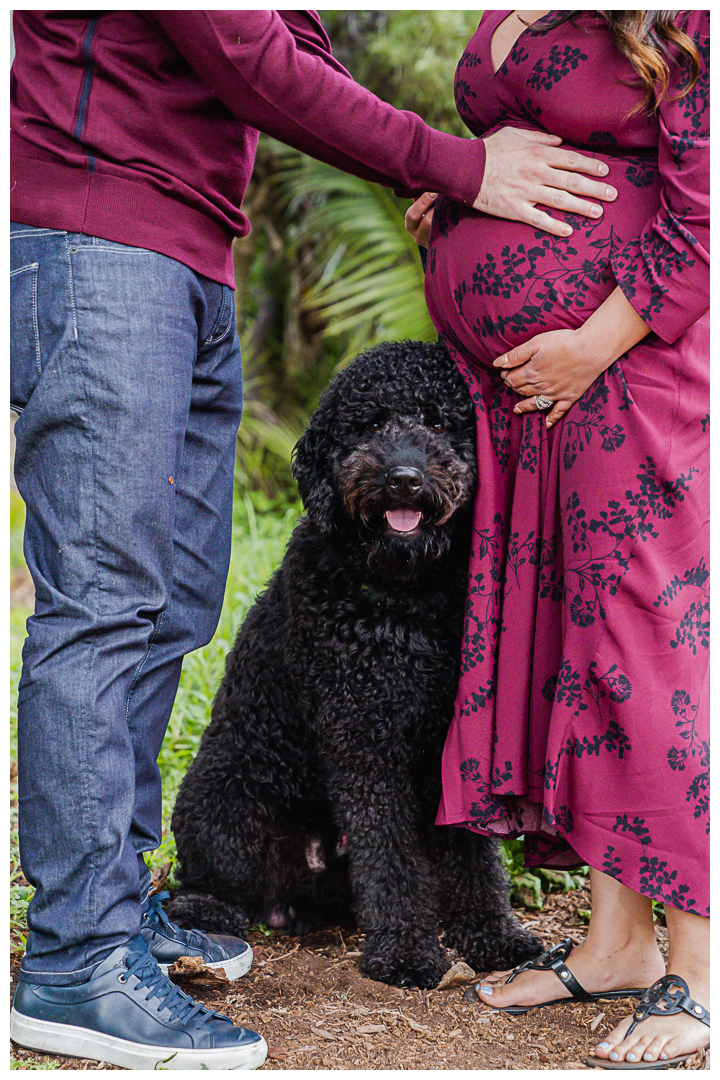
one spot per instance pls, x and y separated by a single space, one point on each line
317 782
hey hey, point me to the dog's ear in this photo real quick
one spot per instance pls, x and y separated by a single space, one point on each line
312 468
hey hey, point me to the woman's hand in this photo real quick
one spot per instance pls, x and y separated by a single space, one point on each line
523 168
562 364
418 219
555 365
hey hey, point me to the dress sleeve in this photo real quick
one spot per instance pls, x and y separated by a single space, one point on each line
286 83
665 272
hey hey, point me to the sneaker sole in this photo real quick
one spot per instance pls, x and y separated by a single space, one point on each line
234 967
51 1038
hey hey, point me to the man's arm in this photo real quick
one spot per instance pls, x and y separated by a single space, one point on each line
296 92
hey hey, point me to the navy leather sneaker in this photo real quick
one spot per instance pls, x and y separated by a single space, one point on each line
129 1014
168 942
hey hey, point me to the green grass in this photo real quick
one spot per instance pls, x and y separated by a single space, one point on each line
14 1064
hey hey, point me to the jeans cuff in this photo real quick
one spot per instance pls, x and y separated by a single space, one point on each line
59 978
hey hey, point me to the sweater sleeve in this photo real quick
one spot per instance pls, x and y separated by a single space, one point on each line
665 272
286 83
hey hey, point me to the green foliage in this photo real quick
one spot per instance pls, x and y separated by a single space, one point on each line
405 57
363 275
17 525
15 1064
527 887
20 892
18 617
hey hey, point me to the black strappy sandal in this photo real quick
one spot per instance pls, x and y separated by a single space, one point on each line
554 960
667 997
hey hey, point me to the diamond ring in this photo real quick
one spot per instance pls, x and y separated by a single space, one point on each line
543 402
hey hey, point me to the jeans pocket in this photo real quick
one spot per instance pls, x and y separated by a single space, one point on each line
25 356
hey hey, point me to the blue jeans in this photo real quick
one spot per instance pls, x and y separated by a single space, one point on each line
127 379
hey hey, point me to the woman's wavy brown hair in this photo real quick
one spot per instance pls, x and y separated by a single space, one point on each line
645 37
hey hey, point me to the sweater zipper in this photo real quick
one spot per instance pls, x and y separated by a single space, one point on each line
82 109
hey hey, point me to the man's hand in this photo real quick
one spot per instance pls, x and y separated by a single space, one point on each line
523 168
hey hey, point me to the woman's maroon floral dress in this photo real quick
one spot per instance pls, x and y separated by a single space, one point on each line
581 720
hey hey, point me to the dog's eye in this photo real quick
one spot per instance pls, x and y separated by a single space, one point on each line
436 426
373 425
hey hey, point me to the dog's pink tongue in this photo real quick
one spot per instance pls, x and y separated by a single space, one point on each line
403 519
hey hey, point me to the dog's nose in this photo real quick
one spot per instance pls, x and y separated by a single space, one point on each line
404 481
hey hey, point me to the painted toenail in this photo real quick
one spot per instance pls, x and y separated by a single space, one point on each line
630 1056
664 1056
485 990
648 1057
612 1055
603 1045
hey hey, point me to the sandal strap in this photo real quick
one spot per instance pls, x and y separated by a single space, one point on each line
667 997
554 960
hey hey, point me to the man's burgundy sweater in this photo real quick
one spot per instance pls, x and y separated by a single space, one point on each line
141 126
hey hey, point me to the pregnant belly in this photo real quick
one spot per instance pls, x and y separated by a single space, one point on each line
492 284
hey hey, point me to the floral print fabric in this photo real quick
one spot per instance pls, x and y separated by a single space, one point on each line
581 720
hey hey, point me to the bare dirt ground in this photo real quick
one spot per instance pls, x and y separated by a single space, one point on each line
309 1000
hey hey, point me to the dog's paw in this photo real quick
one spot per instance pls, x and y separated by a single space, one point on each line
191 909
498 946
423 964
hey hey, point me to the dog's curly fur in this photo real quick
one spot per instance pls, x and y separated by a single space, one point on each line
317 782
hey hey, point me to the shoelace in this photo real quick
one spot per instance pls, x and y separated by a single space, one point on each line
193 937
182 1008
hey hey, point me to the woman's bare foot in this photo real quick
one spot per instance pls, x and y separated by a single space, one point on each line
660 1037
620 952
665 1037
597 967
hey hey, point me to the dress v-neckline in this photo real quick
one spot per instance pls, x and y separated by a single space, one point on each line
504 16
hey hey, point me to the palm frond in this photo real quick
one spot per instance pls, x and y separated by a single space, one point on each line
364 274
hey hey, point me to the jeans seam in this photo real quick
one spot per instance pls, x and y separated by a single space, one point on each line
36 325
32 231
71 284
91 801
117 251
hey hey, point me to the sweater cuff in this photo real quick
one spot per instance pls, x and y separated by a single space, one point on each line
454 167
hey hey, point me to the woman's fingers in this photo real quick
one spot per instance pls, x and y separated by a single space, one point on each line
551 417
528 405
519 355
557 412
418 218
